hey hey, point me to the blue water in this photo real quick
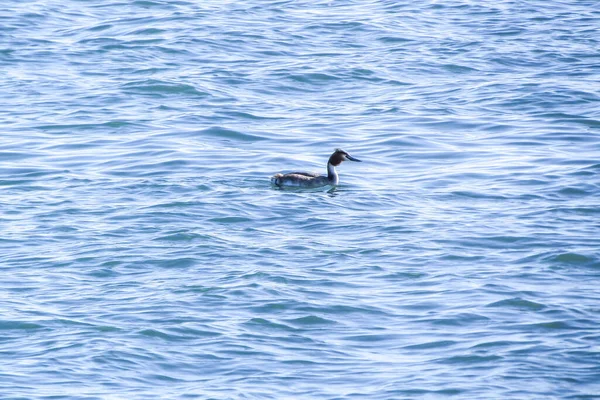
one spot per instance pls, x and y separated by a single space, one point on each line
144 253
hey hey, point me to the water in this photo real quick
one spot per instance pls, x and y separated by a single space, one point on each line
145 254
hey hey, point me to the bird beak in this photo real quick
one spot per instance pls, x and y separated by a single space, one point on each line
349 157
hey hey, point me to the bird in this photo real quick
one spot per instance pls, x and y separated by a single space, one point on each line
312 179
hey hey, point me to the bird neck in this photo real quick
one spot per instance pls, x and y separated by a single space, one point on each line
332 174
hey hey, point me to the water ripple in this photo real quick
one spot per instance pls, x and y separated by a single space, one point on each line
146 254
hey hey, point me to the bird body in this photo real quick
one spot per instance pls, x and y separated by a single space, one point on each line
312 179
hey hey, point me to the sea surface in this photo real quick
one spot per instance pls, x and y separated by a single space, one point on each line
144 253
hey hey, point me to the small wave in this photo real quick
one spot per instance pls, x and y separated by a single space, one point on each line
69 128
310 320
19 325
264 324
458 69
394 39
314 78
229 134
179 237
431 345
471 359
519 304
162 88
574 259
15 155
563 259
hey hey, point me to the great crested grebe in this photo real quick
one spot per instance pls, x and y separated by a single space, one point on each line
312 179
